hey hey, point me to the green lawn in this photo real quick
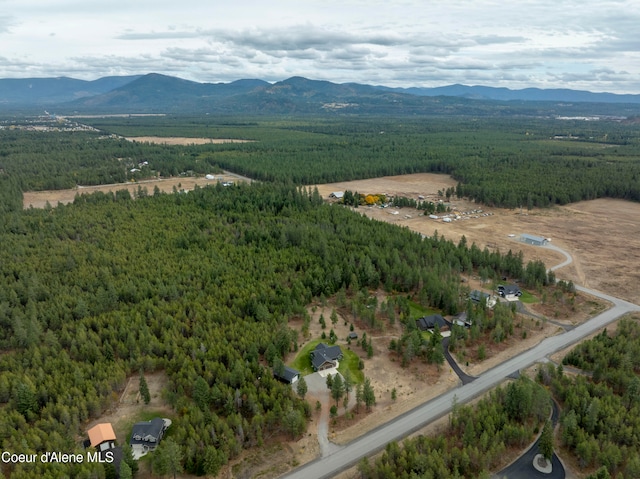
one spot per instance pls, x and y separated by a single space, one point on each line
528 298
302 361
426 335
417 311
350 360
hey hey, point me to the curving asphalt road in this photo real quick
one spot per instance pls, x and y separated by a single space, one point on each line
400 427
523 467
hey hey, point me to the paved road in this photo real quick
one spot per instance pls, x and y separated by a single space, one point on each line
419 417
464 377
523 468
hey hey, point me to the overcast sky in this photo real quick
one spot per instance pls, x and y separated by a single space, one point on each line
580 44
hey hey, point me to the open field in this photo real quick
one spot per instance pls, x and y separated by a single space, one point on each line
39 199
161 140
602 235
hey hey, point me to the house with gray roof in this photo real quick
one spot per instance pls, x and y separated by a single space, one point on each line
478 296
325 357
147 435
533 240
287 375
509 291
427 323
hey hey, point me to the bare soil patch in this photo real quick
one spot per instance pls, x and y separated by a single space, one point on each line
39 199
603 235
127 409
175 140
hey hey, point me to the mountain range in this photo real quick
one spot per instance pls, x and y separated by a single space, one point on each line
155 93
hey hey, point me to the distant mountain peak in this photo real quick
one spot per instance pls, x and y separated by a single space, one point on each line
156 92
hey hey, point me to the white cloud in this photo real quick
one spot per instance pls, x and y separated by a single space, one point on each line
589 44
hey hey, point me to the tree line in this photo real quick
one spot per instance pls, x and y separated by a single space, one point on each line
520 163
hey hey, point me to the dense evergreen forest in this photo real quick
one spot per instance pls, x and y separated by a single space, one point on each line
199 285
475 441
600 422
511 163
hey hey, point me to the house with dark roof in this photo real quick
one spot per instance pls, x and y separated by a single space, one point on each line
509 291
147 435
287 375
478 296
102 437
427 323
325 357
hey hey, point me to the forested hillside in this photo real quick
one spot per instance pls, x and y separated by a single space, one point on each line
198 285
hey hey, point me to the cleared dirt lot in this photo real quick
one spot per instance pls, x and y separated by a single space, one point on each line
603 235
38 199
176 140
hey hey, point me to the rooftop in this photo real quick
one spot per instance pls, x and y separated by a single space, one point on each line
101 433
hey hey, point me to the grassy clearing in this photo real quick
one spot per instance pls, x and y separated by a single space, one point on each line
350 361
528 298
302 361
417 310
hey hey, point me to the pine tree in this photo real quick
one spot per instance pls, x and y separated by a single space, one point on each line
368 394
301 387
546 441
125 471
337 388
144 389
167 458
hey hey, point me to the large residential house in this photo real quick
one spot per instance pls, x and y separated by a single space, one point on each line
427 323
147 435
325 357
510 292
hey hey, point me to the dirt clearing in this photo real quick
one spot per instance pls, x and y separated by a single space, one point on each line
176 140
130 407
39 199
603 235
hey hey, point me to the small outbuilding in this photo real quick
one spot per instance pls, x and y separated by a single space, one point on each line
533 240
338 195
287 375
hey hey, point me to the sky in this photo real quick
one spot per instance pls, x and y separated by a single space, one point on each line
585 45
